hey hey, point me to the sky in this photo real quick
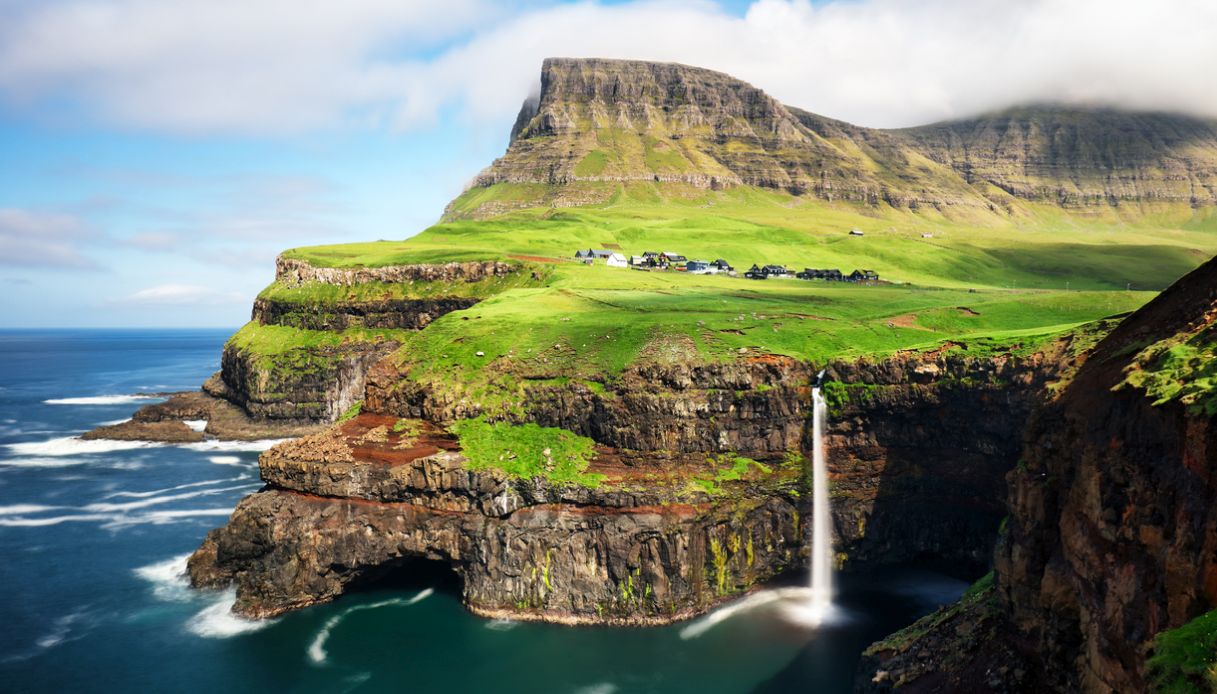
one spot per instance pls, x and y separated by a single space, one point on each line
155 155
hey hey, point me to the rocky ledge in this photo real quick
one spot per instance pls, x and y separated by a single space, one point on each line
344 507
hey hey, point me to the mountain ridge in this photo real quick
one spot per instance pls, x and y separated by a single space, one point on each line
600 121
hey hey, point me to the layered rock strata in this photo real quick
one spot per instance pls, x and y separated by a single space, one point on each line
1112 536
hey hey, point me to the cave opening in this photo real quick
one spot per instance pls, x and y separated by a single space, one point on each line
408 574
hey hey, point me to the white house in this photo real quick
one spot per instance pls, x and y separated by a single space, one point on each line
616 260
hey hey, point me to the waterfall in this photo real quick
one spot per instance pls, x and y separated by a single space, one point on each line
821 519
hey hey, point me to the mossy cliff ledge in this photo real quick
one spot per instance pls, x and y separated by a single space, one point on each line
1112 537
316 331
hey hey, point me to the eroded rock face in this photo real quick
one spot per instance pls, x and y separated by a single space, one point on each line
316 387
918 444
1112 535
522 550
293 272
399 314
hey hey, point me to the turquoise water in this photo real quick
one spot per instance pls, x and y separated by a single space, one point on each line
94 537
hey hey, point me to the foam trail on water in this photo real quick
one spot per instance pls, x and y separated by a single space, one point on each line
757 599
154 492
316 649
16 509
101 400
103 507
42 522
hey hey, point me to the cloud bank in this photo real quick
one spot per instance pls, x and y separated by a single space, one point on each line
267 66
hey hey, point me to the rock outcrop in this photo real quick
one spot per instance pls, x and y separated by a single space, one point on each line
1112 536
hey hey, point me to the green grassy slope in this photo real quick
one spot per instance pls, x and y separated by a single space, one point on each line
1146 247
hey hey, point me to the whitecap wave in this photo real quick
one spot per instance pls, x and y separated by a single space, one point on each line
217 621
195 424
62 630
55 520
101 400
256 446
168 578
41 462
225 459
502 624
74 445
316 649
114 422
18 509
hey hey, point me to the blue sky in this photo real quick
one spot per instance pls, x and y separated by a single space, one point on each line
157 155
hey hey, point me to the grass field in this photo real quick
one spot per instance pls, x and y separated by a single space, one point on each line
986 283
1040 247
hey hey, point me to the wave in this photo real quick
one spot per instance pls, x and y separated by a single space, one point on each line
256 446
104 507
217 621
17 509
598 688
225 459
502 624
101 400
154 492
168 578
113 422
74 445
56 520
316 650
195 424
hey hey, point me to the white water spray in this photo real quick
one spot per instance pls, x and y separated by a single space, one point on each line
821 539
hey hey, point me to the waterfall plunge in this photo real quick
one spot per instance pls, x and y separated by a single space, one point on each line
820 602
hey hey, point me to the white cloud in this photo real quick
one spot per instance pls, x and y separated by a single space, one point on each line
183 295
32 238
271 66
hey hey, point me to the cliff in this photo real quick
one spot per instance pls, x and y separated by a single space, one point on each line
1112 535
600 121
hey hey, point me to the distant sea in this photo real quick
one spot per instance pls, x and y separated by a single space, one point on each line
94 537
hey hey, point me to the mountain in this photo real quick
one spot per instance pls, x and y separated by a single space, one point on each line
602 121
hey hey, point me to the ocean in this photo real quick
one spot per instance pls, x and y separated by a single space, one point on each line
94 537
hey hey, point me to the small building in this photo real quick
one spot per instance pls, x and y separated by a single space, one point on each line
700 267
856 232
583 255
756 273
863 276
637 261
776 271
927 235
671 258
722 265
616 260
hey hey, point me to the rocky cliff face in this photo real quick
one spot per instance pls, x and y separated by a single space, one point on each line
348 506
612 121
320 380
1112 535
1077 157
918 445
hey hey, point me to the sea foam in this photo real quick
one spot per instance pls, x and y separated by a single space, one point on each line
316 650
101 400
216 621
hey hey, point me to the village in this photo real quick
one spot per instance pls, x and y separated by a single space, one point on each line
675 262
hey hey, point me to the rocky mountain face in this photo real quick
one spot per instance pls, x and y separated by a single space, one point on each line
1112 536
611 121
